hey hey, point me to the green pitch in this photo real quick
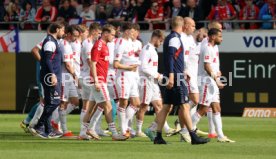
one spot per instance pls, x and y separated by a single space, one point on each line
256 139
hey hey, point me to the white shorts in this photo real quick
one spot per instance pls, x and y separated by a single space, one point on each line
101 96
68 90
192 85
85 89
111 86
149 91
127 85
209 93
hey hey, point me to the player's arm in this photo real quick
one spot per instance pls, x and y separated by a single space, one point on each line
209 70
70 69
49 49
67 60
35 52
118 56
174 45
146 66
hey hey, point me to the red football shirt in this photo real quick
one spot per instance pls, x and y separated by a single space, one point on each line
100 54
222 12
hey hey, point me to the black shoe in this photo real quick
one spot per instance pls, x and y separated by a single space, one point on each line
198 140
159 141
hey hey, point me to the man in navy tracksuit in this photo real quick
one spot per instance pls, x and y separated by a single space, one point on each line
50 76
175 92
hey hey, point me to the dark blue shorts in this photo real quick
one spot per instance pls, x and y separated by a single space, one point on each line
178 95
52 94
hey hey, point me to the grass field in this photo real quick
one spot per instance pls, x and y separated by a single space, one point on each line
256 139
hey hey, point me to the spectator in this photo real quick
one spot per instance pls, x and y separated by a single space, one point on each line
155 15
87 13
206 6
118 14
193 11
139 11
249 12
259 3
176 8
267 12
2 11
223 11
66 12
45 13
12 14
77 6
103 9
27 14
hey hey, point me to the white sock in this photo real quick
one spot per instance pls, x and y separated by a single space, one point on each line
96 116
130 112
55 115
121 113
112 128
99 123
129 125
184 130
153 126
84 128
166 127
139 124
195 119
63 120
37 115
70 108
82 114
193 108
211 125
218 124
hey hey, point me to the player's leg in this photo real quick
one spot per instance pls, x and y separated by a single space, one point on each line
184 114
25 123
51 103
161 119
37 115
134 102
218 122
124 92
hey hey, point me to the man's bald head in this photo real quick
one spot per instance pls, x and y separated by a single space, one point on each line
189 26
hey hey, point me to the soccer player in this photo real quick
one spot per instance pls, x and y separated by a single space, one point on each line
209 73
100 95
111 80
37 110
212 131
149 88
126 64
69 80
190 73
175 92
50 76
87 45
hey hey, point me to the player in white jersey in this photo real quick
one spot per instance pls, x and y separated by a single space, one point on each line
189 44
191 58
126 63
149 77
212 132
87 109
137 47
69 79
209 77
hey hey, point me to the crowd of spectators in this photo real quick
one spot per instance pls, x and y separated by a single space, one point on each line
150 14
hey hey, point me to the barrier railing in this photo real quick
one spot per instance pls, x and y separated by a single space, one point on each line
233 23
